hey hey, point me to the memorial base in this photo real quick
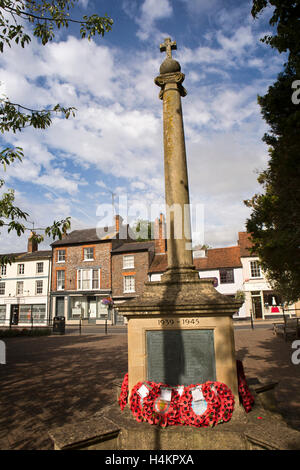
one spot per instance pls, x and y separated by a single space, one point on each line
180 332
111 429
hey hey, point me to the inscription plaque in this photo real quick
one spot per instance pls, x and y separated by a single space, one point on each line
180 357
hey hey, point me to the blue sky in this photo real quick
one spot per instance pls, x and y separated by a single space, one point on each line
115 142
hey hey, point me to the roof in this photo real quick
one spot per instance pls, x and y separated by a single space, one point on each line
133 246
159 264
88 235
25 256
245 244
216 258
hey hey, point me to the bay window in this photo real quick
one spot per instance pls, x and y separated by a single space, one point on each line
88 279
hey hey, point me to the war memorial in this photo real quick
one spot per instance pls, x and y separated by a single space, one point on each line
184 389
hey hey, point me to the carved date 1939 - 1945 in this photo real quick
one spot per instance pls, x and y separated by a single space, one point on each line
178 322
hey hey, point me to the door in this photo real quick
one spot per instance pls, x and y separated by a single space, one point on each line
60 307
256 306
14 314
92 311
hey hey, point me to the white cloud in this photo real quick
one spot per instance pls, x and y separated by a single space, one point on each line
197 7
117 133
150 12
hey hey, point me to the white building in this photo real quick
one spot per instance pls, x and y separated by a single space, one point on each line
222 265
260 300
25 287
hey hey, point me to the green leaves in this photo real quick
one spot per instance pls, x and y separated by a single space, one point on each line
58 229
15 117
45 18
286 17
274 221
95 25
9 155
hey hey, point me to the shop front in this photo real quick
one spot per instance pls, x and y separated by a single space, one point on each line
90 309
28 314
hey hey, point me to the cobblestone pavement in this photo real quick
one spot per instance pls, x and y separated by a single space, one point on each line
51 381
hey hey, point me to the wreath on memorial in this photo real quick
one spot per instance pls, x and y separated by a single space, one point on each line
198 405
124 393
246 397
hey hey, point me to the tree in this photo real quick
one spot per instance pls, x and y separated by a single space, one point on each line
274 221
143 229
45 17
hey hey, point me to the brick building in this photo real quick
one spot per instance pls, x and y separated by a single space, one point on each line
82 275
130 266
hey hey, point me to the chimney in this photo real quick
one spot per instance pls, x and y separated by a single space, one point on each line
32 244
159 235
118 222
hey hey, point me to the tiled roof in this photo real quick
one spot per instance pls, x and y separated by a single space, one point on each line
88 235
159 264
216 258
245 244
30 256
134 246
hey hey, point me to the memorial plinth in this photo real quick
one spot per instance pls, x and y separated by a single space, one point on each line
181 333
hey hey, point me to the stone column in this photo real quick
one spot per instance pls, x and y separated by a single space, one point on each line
176 177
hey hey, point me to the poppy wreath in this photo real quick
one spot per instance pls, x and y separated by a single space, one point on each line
226 402
124 393
245 395
216 410
136 402
179 411
160 412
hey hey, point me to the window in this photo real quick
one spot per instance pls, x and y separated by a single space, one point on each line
60 279
95 279
255 269
88 279
20 268
129 284
25 314
61 256
2 288
226 276
88 253
128 261
3 270
20 287
39 313
38 287
39 267
2 313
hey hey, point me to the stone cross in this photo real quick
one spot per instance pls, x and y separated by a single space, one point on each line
168 46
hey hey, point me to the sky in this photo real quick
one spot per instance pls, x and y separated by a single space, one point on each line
115 142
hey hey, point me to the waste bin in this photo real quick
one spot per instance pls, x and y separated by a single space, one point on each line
59 324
